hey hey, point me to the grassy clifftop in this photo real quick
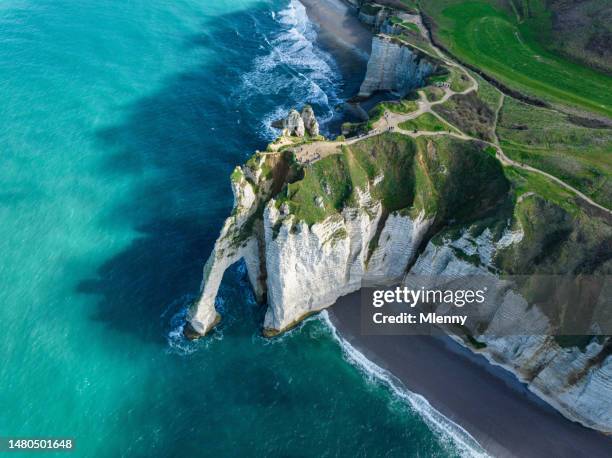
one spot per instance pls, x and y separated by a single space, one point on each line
457 182
571 148
445 177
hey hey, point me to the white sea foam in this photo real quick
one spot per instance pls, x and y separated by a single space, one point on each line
177 342
447 430
293 65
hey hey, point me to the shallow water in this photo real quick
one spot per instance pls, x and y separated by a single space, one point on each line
121 122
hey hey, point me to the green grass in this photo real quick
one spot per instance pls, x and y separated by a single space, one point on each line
493 40
488 93
558 239
410 26
328 185
411 5
466 182
447 178
555 143
470 114
401 106
426 123
413 38
459 81
376 113
473 113
527 183
433 79
433 93
391 155
491 151
327 180
237 175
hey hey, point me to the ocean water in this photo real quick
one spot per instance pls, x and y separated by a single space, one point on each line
120 123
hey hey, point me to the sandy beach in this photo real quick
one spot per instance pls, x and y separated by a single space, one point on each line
487 401
347 40
338 26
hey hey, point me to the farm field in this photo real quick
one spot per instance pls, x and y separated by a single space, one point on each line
510 49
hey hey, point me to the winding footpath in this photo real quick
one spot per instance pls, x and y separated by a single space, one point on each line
391 122
501 156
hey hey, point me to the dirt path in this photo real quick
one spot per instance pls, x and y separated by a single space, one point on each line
390 122
501 156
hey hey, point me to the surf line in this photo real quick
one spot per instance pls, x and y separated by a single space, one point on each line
464 441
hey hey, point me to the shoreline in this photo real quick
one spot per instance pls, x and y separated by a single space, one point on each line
348 42
500 396
338 26
488 402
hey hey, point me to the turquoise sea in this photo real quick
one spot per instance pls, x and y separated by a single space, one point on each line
120 122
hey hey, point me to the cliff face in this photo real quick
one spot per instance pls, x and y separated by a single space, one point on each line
310 234
576 381
390 207
373 14
309 268
394 67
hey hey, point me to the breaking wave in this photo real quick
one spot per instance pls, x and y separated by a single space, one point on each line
450 433
177 343
293 70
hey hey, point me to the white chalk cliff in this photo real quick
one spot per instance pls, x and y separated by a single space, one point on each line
394 67
306 268
310 233
309 268
577 382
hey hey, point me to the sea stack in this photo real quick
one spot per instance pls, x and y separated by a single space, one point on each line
293 125
298 124
310 121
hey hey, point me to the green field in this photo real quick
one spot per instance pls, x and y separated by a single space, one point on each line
426 123
560 145
433 93
510 48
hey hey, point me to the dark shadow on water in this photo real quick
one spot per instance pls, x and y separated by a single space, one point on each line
237 396
180 145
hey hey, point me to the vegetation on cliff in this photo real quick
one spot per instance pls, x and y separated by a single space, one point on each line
426 122
515 43
445 177
574 149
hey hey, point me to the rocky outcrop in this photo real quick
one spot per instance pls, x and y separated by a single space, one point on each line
303 268
395 67
298 124
310 121
293 125
236 241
